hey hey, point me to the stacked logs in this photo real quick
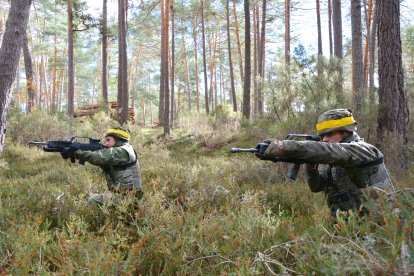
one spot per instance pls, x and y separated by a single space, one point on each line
89 110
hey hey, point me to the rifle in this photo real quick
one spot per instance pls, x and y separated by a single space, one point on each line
72 144
261 148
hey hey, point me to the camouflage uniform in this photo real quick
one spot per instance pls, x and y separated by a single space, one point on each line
121 168
348 166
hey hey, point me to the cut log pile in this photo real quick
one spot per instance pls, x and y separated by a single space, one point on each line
90 110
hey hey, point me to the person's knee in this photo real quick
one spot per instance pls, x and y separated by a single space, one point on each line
95 200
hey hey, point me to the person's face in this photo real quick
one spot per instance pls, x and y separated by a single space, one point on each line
334 137
110 142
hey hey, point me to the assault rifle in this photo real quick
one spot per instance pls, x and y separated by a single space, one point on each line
261 148
70 146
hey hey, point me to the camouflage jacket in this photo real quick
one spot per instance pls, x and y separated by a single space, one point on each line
120 165
347 167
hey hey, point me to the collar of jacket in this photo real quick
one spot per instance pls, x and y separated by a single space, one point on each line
351 138
120 143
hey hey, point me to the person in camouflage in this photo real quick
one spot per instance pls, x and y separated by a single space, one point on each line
351 168
119 162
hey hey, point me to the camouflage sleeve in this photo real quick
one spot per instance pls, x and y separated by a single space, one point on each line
316 182
339 154
104 157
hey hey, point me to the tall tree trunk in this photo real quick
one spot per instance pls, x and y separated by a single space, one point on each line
247 68
337 31
367 60
134 84
393 111
287 33
320 53
212 50
123 63
204 58
54 83
166 76
238 43
161 104
233 90
256 47
330 28
9 57
187 74
105 52
172 63
262 58
372 56
30 85
71 69
17 86
357 58
196 65
46 94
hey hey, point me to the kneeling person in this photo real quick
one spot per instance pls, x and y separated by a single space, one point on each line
119 162
349 167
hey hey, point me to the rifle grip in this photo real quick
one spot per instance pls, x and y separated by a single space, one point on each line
293 171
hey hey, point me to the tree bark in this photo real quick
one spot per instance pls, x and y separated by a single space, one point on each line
357 57
11 46
320 53
196 65
256 47
54 83
232 87
262 58
122 63
367 46
287 33
161 104
166 76
71 69
393 112
30 85
238 43
172 63
337 31
330 28
372 56
247 68
187 75
105 52
204 58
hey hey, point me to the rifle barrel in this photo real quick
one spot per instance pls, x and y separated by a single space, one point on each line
236 150
37 143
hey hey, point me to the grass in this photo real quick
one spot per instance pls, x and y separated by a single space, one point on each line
204 212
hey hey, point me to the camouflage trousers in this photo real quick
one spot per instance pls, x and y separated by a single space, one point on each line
109 197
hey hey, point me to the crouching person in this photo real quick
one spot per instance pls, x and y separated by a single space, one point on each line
119 162
342 166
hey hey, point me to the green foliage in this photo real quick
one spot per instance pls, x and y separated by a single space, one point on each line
202 213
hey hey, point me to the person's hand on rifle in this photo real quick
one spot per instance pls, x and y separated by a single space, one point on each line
68 153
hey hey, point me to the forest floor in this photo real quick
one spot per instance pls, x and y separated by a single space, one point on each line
204 211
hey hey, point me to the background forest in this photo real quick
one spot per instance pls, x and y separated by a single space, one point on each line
192 79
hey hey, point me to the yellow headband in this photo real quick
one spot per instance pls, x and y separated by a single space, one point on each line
120 132
335 123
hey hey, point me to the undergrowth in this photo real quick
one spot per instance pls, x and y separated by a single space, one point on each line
204 211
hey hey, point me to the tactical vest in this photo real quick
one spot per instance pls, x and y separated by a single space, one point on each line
127 177
344 185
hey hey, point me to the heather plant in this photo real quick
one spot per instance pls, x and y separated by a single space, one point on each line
204 211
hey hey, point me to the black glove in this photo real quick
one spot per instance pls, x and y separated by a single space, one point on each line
68 153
